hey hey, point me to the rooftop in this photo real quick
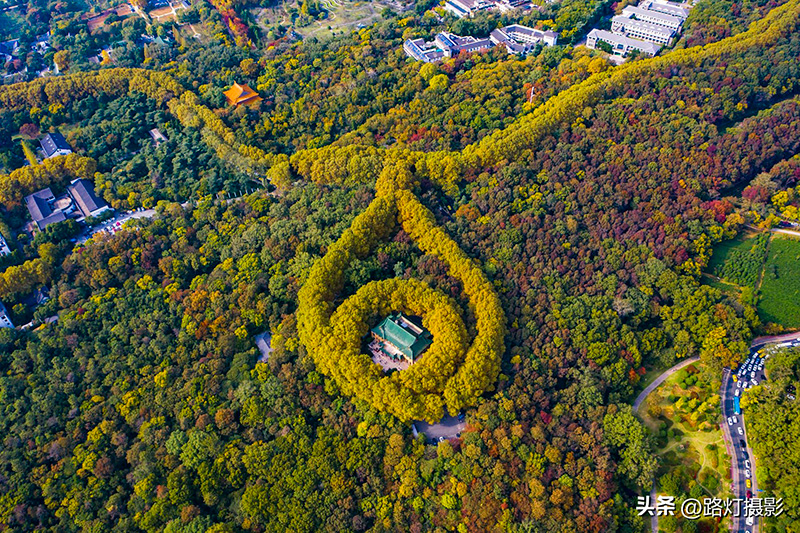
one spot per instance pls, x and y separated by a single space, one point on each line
627 42
53 142
403 334
639 13
241 94
641 25
82 191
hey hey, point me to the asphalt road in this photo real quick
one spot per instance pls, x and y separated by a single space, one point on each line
743 466
109 224
660 379
741 456
448 427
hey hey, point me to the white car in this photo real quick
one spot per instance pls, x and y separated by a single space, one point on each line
735 419
739 384
740 430
747 463
730 421
749 520
747 474
736 392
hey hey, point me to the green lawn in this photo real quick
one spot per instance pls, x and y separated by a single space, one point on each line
780 288
722 251
691 450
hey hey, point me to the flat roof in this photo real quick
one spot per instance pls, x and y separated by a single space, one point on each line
642 25
614 38
639 12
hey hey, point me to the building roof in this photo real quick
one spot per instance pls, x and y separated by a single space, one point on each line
38 204
395 330
241 94
669 8
663 19
53 142
641 25
82 191
157 136
627 42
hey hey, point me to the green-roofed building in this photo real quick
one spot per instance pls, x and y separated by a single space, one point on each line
401 338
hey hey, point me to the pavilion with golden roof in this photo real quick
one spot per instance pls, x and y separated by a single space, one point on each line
242 94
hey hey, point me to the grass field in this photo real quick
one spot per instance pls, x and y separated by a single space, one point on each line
780 288
343 16
722 251
690 447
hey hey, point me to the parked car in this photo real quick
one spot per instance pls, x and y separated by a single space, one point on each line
730 421
748 483
747 463
740 430
747 474
735 419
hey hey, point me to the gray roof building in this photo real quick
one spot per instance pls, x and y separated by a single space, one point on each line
41 207
620 44
82 192
639 29
54 144
5 320
668 8
522 40
653 17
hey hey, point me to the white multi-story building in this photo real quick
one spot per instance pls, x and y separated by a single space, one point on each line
468 8
422 51
653 17
519 39
445 44
620 44
5 321
668 8
4 249
638 29
452 45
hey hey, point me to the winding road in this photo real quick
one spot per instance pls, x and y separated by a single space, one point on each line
742 458
660 379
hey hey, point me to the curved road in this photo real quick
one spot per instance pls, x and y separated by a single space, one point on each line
660 379
638 402
740 453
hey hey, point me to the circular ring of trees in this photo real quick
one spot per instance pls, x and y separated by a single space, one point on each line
423 381
455 372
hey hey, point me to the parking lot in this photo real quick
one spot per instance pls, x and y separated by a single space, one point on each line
115 224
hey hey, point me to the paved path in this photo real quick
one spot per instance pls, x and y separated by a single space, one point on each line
448 427
660 379
737 453
793 233
105 226
639 399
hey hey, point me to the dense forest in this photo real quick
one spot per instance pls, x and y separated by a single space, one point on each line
550 216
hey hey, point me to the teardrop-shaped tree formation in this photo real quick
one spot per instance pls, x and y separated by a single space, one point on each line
455 372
